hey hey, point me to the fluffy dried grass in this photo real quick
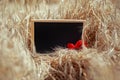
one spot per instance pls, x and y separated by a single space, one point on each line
101 31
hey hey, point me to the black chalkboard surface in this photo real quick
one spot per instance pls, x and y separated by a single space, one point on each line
49 35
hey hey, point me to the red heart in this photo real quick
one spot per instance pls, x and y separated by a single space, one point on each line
78 45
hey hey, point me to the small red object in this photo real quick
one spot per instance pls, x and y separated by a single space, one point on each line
78 45
70 46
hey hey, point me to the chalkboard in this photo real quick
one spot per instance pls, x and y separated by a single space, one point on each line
56 33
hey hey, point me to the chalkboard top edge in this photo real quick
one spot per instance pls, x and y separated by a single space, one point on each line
58 20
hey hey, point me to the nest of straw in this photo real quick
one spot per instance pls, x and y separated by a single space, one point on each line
100 61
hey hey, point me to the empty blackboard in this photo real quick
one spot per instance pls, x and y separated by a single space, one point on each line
49 34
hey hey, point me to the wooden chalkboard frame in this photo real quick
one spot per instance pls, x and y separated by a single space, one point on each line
31 29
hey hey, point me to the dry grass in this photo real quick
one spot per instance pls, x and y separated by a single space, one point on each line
98 62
